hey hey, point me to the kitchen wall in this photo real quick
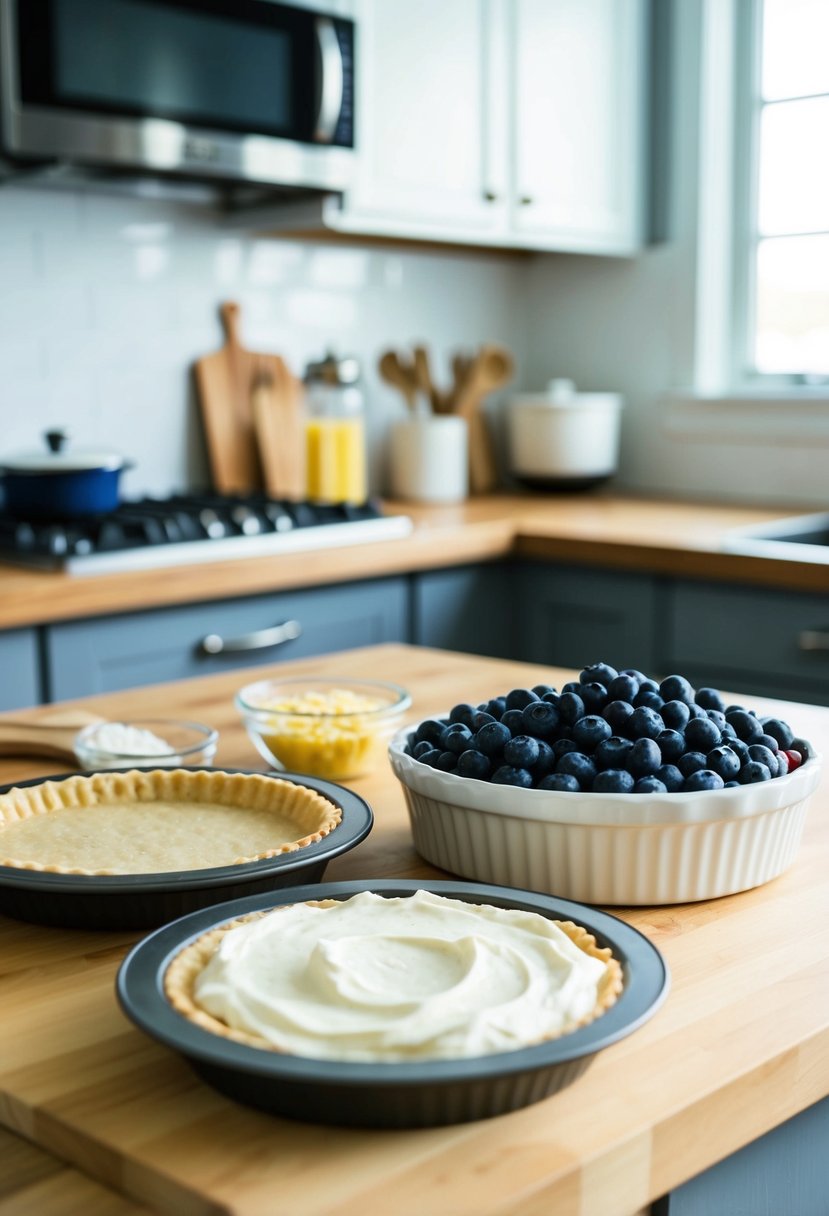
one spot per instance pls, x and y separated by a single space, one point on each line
105 301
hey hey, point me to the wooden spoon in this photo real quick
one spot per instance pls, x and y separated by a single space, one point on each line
490 369
401 376
53 736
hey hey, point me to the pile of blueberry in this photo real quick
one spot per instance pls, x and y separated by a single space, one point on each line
610 732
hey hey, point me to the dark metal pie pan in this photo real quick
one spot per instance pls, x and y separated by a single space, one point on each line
143 901
395 1095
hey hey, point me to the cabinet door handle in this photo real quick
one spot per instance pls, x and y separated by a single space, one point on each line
261 639
490 196
813 639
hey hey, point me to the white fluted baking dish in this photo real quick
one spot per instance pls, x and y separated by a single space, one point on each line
606 848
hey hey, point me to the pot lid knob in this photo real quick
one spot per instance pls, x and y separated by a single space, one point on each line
56 439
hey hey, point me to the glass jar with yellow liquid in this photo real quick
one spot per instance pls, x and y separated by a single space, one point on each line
335 431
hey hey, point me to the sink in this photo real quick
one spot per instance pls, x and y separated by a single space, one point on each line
799 538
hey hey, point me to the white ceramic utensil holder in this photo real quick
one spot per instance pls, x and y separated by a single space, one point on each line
428 460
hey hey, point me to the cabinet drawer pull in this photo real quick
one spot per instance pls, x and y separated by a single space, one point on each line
813 639
261 639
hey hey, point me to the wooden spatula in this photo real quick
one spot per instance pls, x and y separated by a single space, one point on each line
224 381
490 369
53 736
279 422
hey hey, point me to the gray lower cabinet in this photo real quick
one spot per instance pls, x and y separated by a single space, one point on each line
750 639
133 649
19 669
569 616
784 1173
466 608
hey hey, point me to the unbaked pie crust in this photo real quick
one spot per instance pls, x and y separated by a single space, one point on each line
158 821
183 972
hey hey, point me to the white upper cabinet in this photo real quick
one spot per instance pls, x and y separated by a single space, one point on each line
578 122
506 123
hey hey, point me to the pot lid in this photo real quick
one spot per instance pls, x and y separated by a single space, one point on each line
561 394
56 459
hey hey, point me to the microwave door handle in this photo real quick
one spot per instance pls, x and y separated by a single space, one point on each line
333 80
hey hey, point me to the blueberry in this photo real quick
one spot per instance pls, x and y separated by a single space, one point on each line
671 745
481 718
431 730
552 697
613 781
623 688
573 686
754 771
701 734
650 700
570 708
725 761
709 698
599 673
732 785
594 697
562 746
519 697
540 719
576 764
421 748
496 706
703 779
644 758
803 748
458 738
563 782
670 776
446 762
590 731
649 785
740 747
677 688
619 714
638 676
542 690
492 738
513 719
645 723
767 741
691 762
546 761
780 731
745 724
696 711
474 764
462 713
717 718
612 752
522 751
508 774
646 685
431 757
764 755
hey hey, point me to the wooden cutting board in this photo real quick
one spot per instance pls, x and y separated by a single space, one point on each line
279 423
229 383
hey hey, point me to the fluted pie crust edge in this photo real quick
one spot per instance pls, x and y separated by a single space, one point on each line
314 815
182 973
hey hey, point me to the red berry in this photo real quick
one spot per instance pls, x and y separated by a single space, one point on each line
795 760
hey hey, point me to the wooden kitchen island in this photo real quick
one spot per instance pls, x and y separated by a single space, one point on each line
108 1122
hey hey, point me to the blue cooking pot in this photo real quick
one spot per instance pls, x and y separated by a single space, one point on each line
59 484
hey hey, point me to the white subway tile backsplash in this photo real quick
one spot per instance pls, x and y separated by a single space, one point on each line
107 300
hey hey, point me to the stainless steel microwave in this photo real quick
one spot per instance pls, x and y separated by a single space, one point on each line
251 91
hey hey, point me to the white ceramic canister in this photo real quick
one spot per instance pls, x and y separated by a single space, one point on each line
562 439
428 459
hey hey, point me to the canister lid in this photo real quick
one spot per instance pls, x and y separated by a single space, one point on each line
56 458
333 369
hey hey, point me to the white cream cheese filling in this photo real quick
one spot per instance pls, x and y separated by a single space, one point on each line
414 977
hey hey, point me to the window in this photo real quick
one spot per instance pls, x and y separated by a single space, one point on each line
782 252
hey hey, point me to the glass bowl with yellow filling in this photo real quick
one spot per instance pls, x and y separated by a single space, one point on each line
331 728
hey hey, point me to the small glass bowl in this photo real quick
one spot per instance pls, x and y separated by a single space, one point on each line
187 743
331 728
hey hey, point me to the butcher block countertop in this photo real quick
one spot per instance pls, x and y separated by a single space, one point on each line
117 1123
650 535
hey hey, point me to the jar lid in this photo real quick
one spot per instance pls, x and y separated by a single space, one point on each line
333 369
57 460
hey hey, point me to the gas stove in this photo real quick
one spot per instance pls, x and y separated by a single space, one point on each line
187 528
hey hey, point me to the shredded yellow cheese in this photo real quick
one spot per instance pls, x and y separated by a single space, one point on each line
333 734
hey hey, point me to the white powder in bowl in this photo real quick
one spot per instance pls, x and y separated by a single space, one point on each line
121 739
